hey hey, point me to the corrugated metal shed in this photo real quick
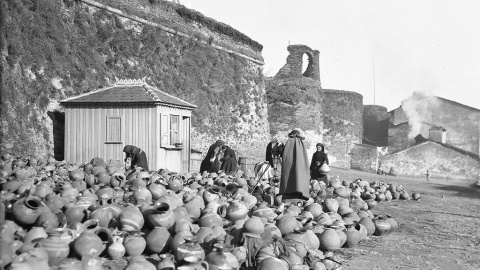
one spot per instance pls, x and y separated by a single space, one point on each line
100 123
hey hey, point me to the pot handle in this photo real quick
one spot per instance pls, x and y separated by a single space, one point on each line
205 265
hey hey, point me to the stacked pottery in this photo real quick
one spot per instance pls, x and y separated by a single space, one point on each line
190 248
56 246
134 243
222 257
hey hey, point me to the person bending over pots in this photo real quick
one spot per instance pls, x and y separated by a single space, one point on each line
211 162
229 161
137 157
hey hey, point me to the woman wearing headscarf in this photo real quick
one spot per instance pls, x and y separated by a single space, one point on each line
318 159
229 161
211 162
295 178
137 155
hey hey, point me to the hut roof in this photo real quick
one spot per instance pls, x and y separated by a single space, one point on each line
126 92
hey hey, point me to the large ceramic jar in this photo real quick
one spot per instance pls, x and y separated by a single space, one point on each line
134 243
139 263
131 219
161 216
27 210
271 263
353 236
88 244
210 219
329 241
56 246
191 248
158 240
222 257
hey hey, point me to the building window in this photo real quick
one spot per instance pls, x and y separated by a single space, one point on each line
174 129
170 130
114 129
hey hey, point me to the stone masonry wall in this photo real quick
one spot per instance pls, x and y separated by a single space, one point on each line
342 125
375 125
363 158
440 161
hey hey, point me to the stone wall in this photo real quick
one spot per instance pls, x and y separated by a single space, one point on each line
440 161
342 125
375 125
398 138
364 157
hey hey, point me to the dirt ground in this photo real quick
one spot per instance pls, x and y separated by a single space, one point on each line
440 231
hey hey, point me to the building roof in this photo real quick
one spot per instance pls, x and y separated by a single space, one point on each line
128 92
422 140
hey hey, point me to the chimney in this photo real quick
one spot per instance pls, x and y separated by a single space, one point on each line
437 134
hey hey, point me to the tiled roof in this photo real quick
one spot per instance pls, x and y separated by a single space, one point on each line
127 91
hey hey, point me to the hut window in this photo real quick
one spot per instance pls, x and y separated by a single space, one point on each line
174 129
114 129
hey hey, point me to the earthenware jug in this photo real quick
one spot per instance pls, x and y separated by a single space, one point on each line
116 250
167 262
162 215
139 262
382 225
195 263
27 210
329 241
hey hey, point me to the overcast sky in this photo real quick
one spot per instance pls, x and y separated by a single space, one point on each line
413 45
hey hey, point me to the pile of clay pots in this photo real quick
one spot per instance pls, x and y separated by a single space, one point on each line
70 216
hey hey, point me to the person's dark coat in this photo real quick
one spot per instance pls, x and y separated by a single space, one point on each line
318 158
211 163
229 164
295 178
268 154
139 158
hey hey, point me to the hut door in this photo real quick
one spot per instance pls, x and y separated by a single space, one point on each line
185 131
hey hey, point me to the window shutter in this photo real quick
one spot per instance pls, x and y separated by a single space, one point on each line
164 138
114 129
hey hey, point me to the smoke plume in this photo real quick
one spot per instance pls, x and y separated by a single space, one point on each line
419 109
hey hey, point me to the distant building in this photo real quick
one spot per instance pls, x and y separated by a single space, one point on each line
130 112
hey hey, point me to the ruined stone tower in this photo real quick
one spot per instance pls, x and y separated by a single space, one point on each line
295 99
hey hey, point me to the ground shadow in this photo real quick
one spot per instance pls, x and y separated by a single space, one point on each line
467 191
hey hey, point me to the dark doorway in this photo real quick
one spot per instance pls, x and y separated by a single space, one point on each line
58 119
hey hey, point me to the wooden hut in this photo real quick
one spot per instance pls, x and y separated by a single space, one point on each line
100 123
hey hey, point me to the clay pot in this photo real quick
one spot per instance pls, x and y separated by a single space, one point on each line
157 191
416 196
193 209
161 216
210 219
34 259
35 233
105 193
271 263
116 250
56 246
88 244
330 205
190 248
222 257
134 243
118 179
287 223
263 211
159 240
142 194
42 190
139 262
175 184
329 240
211 194
103 214
75 214
237 210
393 222
353 236
167 262
195 263
6 253
315 209
131 219
382 225
27 210
179 239
369 225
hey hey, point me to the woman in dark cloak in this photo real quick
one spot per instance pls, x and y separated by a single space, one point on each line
295 179
138 156
318 159
211 162
229 164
